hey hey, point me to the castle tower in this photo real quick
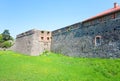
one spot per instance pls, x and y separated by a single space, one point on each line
33 42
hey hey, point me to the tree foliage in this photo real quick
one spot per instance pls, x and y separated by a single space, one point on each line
6 44
5 39
6 35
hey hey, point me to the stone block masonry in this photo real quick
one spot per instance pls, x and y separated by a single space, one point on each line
33 42
98 36
100 40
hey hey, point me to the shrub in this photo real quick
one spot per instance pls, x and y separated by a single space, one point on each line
6 44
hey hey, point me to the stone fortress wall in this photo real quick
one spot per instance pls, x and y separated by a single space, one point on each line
33 42
98 36
95 37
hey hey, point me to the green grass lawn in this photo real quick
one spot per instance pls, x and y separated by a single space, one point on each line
56 67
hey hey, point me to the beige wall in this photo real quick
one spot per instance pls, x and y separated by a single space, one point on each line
33 42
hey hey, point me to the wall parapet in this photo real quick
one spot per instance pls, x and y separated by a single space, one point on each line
27 33
67 29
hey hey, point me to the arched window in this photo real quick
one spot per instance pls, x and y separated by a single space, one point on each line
97 40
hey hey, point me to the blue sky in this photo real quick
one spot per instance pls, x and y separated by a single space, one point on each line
21 15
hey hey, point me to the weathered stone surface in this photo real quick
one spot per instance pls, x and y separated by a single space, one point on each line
98 36
30 42
80 42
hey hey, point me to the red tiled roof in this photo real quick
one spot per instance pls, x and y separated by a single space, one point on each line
112 10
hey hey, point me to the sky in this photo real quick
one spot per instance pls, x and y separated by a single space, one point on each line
22 15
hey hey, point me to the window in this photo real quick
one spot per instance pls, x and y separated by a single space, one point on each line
42 38
113 16
42 31
48 32
47 38
97 40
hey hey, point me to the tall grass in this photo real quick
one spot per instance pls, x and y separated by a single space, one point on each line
56 67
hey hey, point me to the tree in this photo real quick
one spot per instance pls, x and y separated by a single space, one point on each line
6 35
6 44
6 40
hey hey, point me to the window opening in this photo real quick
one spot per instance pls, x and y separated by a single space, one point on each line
113 16
48 32
47 38
97 40
42 31
42 38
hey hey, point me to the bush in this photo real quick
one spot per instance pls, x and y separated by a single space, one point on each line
6 40
6 44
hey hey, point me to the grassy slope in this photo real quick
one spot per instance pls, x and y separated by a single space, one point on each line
55 67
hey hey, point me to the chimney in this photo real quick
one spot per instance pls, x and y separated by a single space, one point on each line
115 5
